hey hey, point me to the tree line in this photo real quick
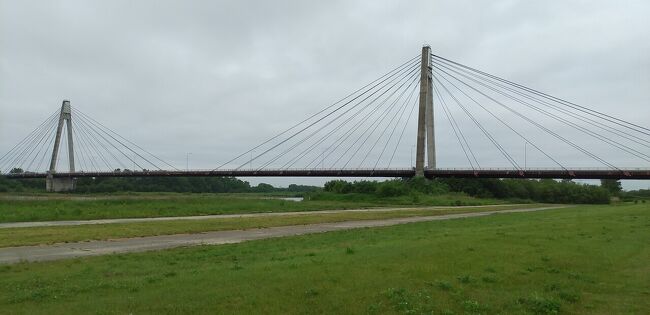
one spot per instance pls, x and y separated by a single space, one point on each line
155 184
545 190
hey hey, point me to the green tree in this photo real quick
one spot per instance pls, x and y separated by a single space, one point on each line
263 187
612 185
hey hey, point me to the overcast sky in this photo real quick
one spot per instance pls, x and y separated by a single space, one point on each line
214 78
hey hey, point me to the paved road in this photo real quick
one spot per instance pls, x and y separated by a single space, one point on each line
11 255
222 216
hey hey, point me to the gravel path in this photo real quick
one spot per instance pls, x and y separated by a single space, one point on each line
220 216
95 248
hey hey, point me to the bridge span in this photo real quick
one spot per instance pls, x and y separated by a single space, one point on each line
398 173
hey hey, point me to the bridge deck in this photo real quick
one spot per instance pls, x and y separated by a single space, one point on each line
442 173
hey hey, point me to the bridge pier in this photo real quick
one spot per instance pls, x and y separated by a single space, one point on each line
60 184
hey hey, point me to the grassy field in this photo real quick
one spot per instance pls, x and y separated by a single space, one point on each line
58 234
580 260
52 207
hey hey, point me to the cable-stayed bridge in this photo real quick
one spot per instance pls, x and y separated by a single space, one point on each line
364 134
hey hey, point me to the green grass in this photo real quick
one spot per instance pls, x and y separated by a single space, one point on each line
58 234
581 260
54 207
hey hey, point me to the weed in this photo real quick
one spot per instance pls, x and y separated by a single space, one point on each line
489 279
169 274
236 267
552 287
410 303
569 296
349 250
465 279
472 306
374 308
540 305
443 285
553 270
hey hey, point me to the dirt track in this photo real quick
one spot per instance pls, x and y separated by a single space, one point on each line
222 216
94 248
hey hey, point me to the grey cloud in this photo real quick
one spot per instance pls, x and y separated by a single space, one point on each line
216 77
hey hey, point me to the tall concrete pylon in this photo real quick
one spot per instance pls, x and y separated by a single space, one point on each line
425 117
55 184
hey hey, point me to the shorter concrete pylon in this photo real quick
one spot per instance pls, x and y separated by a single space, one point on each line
61 184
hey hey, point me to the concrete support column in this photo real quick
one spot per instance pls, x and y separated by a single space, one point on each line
60 184
431 136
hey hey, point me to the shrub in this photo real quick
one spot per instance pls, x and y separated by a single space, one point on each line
390 189
541 305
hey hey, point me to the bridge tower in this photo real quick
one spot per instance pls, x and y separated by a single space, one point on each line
426 135
56 184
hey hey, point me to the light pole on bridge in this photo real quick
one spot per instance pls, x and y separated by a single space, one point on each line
525 155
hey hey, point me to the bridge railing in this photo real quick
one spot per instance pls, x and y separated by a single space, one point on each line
289 170
547 169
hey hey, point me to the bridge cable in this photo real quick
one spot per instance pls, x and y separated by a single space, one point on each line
121 143
584 109
382 115
20 143
320 119
400 109
399 139
478 124
88 139
340 115
17 158
346 135
79 152
127 140
400 67
390 136
530 121
454 127
42 144
343 137
578 116
12 155
499 119
564 121
49 147
375 124
97 130
85 147
330 133
96 138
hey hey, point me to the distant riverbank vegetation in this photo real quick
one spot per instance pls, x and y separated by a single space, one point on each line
156 184
546 190
417 189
